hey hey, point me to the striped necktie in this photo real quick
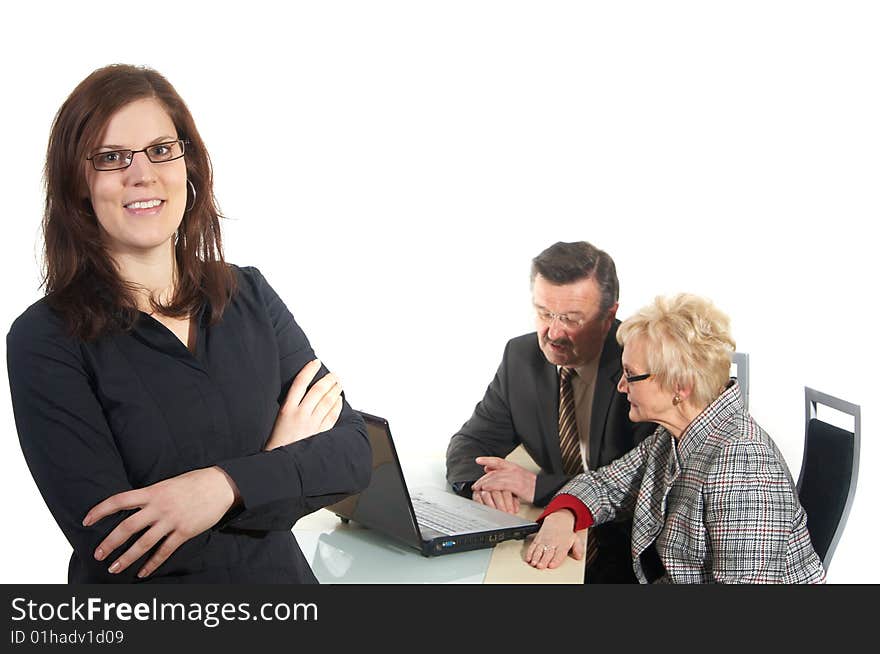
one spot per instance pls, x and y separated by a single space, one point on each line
569 442
570 446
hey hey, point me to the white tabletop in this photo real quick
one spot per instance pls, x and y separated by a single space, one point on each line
351 554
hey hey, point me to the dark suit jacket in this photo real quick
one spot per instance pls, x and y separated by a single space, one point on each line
521 406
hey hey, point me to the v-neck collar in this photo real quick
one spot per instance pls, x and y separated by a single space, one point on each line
156 335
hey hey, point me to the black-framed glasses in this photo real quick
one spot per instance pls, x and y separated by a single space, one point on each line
632 379
157 153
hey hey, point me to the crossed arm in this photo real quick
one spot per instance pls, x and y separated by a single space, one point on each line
175 510
75 459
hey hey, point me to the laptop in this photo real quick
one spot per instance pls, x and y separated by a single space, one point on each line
431 520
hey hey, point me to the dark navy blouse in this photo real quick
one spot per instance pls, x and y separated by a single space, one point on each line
133 408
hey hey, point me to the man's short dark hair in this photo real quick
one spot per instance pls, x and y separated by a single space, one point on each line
565 263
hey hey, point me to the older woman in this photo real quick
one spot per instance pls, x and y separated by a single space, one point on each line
170 409
709 494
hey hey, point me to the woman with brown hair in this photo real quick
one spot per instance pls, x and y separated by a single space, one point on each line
170 409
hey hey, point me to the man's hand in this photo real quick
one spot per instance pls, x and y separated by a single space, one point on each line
504 485
305 414
501 500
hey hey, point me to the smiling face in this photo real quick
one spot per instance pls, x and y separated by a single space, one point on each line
577 338
139 208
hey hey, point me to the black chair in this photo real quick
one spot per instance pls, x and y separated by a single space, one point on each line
829 472
740 361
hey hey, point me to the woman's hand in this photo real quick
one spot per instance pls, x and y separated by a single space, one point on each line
305 414
174 509
554 541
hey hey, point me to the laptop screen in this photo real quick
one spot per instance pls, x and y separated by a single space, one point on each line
385 504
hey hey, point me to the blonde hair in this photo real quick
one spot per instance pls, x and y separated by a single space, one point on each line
687 343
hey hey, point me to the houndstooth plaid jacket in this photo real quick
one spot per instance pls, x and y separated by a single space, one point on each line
719 505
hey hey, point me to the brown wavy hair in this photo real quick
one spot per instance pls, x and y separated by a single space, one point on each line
81 280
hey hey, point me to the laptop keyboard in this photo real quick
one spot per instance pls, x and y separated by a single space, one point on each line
445 521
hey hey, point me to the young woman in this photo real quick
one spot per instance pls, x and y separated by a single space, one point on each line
170 409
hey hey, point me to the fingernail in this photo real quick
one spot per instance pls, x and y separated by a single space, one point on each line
86 521
99 554
114 567
143 573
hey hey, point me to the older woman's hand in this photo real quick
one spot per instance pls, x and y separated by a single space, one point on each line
554 541
305 414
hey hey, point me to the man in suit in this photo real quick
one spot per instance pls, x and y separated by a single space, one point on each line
555 394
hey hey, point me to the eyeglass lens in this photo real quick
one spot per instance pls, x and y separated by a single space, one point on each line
158 153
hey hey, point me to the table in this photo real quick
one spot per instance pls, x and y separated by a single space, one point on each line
351 554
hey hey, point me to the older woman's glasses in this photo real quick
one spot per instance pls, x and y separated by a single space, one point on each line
568 322
632 379
119 159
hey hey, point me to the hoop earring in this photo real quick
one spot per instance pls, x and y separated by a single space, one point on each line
194 195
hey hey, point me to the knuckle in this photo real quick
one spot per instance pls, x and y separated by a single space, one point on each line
326 381
111 542
165 550
313 392
289 409
122 533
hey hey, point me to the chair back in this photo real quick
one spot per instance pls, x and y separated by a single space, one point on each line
741 361
829 472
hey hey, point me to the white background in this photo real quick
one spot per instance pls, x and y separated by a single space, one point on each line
392 167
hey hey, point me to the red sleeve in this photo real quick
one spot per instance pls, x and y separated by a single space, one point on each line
582 516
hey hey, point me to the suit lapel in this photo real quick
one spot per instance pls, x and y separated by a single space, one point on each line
607 377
